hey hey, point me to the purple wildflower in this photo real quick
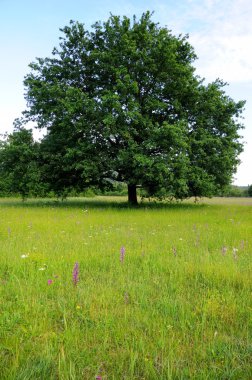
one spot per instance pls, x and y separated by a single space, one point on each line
126 298
242 244
75 274
224 250
174 250
49 282
122 254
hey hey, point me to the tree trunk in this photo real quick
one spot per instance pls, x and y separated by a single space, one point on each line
132 194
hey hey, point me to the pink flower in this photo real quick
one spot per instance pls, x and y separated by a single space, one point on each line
122 254
49 282
75 274
224 250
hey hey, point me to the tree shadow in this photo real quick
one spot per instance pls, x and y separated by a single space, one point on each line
108 202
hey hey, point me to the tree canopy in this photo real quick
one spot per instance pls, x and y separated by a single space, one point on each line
122 102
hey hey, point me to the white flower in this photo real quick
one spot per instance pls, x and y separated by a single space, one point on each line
43 268
24 256
235 250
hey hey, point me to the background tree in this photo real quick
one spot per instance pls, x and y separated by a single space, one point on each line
122 102
250 191
19 171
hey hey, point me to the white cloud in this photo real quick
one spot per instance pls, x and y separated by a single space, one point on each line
223 40
219 30
226 57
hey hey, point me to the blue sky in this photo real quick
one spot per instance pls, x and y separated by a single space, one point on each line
219 30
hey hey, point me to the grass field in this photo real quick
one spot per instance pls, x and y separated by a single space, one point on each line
159 292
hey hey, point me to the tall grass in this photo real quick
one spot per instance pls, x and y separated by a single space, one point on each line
178 306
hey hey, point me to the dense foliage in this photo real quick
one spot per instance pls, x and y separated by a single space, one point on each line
122 102
19 164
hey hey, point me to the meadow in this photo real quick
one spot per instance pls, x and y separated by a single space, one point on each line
93 289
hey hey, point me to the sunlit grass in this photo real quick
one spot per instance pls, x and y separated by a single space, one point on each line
178 306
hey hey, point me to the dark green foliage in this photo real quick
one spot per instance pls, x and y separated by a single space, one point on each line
122 102
250 191
19 169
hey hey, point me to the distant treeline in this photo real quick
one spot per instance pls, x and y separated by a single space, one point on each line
238 191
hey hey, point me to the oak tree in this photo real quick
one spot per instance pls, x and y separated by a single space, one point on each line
122 102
